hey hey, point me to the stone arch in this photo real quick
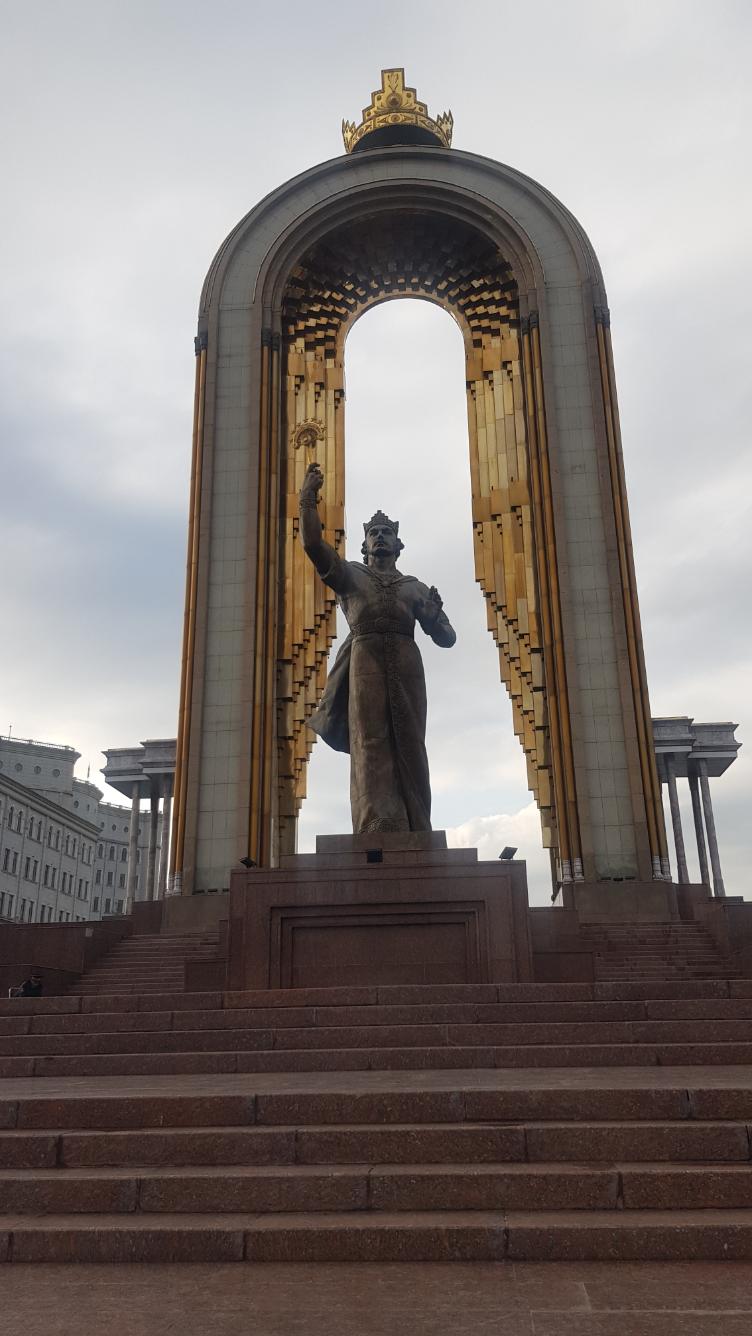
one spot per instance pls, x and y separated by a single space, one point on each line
254 657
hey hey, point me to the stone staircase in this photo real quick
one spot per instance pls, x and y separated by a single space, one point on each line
146 964
673 950
393 1028
477 1122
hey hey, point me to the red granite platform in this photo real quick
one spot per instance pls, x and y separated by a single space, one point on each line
382 1299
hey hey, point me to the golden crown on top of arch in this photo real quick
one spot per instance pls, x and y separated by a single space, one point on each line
394 105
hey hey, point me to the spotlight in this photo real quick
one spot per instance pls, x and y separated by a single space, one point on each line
249 862
507 853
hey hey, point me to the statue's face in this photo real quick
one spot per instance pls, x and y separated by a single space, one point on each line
381 541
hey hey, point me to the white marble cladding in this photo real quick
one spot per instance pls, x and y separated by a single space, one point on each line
566 284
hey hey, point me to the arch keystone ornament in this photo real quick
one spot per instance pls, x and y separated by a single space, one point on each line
402 214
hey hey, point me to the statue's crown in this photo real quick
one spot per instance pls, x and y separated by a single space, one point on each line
395 116
381 518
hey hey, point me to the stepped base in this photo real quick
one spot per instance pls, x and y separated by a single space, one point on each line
472 1166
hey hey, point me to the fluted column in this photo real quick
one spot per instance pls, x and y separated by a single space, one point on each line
151 866
702 854
682 874
707 807
165 853
133 848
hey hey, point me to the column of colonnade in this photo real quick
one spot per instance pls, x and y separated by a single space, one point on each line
158 853
704 823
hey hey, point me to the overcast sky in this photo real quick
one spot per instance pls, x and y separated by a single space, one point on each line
135 136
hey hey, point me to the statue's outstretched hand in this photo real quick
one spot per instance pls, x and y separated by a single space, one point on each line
436 598
312 483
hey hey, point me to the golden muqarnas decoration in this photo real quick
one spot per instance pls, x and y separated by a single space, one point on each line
306 435
394 105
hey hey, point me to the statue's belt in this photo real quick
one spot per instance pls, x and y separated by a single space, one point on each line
381 626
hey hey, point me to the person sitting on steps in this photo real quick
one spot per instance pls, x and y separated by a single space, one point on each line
31 987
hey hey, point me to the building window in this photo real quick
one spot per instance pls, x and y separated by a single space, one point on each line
108 906
121 881
98 877
54 878
14 861
6 860
123 855
96 904
111 854
118 906
56 774
27 869
19 819
35 872
109 878
57 839
39 831
30 912
99 851
30 828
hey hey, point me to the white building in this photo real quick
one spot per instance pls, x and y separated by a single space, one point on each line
64 851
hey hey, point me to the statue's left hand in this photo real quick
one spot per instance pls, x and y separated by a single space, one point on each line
436 598
312 483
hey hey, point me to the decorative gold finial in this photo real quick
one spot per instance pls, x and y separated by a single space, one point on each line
307 434
395 116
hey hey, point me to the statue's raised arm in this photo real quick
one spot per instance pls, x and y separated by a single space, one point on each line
311 529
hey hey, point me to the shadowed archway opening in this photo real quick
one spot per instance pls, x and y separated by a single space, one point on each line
407 452
411 253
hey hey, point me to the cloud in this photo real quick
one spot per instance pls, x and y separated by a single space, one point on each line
520 830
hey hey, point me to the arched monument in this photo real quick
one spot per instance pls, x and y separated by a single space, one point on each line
402 214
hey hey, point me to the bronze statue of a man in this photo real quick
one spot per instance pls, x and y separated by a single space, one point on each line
374 704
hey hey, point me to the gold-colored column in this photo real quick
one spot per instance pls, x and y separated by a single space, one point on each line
189 616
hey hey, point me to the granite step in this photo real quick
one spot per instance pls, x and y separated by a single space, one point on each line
151 1038
380 1236
574 1143
92 1021
392 1188
382 1100
363 1059
317 1189
396 994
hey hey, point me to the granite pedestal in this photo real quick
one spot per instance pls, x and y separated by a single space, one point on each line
379 909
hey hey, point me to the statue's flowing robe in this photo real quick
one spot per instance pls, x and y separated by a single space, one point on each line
374 704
